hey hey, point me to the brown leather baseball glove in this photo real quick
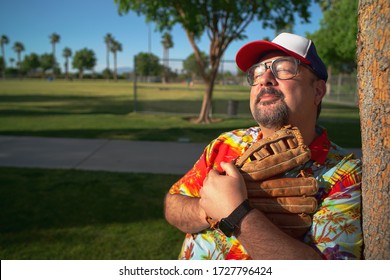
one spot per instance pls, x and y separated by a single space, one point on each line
287 202
274 155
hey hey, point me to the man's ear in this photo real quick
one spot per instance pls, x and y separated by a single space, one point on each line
320 86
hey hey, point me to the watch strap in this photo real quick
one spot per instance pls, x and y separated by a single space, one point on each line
239 213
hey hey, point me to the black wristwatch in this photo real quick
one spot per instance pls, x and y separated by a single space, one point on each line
231 224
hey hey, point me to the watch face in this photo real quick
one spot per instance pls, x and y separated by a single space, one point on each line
226 227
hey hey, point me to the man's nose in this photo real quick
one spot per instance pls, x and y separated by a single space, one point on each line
268 79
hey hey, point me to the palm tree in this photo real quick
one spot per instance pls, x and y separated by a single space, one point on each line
115 47
4 41
108 39
18 48
66 53
167 44
54 39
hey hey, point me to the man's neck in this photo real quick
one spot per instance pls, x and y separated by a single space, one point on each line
308 134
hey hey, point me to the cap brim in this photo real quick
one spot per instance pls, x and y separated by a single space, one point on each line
252 52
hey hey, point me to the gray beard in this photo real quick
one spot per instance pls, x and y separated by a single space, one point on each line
272 115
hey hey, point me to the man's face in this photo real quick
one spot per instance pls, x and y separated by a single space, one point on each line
275 103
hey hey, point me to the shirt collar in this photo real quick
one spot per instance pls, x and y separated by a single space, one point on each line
320 146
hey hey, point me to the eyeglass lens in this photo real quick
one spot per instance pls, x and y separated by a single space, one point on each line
283 68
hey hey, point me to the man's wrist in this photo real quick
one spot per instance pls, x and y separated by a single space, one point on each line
231 224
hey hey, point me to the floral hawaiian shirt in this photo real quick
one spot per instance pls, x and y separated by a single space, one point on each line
336 230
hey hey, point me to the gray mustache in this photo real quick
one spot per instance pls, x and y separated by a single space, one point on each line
269 91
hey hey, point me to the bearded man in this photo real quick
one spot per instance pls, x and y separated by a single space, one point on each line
288 83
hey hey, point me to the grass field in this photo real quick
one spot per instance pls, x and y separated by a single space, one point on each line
67 214
101 109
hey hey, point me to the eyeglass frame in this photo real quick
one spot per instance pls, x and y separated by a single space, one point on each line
297 63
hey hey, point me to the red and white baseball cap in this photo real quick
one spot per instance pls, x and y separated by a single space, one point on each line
291 44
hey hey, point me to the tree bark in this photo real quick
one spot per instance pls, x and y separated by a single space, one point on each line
373 87
204 115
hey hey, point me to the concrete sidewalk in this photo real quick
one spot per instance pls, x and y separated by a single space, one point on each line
101 154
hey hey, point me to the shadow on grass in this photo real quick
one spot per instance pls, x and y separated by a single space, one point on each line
34 199
171 134
344 132
109 117
44 105
80 215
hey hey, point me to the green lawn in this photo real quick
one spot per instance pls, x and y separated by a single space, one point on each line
68 214
58 214
101 109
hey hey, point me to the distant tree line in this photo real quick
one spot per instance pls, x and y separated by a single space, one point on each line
46 65
35 65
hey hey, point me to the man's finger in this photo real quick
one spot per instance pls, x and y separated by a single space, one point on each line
230 169
212 172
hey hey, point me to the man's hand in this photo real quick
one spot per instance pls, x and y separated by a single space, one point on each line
222 193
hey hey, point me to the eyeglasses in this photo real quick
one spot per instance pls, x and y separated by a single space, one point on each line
283 68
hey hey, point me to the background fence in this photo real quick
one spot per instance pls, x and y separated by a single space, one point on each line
342 89
231 91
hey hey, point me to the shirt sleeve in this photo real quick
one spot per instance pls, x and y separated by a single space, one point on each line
191 183
336 230
221 149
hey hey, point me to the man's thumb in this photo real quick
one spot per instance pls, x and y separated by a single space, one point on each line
230 169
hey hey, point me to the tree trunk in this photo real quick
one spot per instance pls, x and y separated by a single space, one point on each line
4 62
115 73
373 86
108 61
165 63
204 115
54 60
329 83
66 69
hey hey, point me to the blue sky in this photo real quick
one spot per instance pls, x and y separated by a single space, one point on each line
84 23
